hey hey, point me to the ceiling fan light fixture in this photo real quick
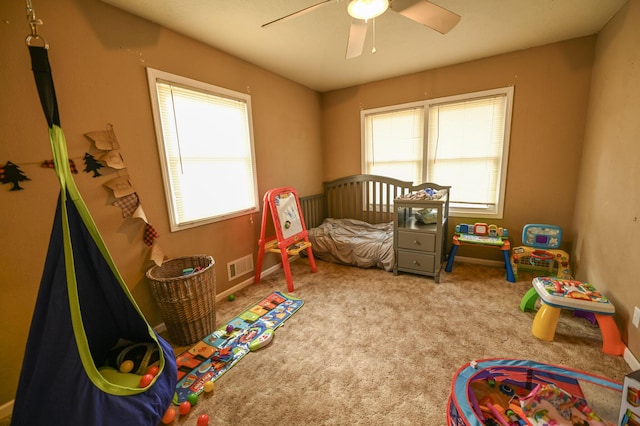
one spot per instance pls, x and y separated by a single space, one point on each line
367 9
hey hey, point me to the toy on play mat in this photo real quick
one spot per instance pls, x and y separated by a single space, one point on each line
215 354
540 251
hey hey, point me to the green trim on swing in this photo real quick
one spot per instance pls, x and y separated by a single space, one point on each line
68 185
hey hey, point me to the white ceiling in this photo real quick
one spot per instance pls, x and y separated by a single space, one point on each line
310 48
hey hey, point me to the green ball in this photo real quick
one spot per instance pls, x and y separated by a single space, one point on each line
193 399
232 298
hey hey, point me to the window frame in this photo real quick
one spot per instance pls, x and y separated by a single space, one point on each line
155 76
456 209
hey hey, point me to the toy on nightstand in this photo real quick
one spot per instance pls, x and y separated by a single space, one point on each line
540 250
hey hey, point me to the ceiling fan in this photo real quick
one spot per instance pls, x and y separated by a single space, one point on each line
361 11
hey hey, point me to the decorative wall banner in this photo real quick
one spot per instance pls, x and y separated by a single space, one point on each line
126 197
49 165
110 157
128 204
104 140
113 159
121 186
11 173
92 165
150 234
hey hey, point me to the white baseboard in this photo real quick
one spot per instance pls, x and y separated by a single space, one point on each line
486 262
6 410
631 360
249 281
160 328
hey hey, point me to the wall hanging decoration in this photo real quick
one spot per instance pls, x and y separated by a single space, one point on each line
92 165
11 173
48 164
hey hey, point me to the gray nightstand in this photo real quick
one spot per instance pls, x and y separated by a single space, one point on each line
420 247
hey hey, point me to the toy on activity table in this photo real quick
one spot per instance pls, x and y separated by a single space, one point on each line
540 250
483 232
484 235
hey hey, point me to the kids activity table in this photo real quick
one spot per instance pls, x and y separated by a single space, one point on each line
557 294
485 241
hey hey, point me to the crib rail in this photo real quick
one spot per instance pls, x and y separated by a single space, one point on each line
364 197
313 210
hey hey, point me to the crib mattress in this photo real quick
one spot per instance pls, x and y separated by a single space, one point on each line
354 242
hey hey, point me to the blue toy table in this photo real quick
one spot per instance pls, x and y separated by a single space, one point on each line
485 241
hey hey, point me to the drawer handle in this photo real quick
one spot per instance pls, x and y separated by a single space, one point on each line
416 242
415 262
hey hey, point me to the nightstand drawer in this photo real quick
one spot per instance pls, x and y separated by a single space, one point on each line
417 261
417 241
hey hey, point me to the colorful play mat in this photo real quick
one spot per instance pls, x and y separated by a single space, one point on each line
215 354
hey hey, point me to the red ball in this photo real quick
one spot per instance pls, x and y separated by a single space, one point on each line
203 420
169 415
185 407
153 370
146 380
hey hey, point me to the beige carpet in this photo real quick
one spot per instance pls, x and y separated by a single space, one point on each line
372 348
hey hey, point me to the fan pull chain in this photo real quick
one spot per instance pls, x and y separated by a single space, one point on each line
373 49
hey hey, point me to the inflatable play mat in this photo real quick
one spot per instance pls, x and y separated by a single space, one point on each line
499 392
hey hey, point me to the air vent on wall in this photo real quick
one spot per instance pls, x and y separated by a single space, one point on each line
240 267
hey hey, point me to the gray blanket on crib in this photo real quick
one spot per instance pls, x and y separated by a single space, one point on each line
354 242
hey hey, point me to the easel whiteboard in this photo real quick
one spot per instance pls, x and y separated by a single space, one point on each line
288 214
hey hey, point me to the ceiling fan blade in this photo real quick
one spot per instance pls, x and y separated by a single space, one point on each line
299 12
357 35
427 13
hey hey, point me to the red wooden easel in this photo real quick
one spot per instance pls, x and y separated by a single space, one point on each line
291 233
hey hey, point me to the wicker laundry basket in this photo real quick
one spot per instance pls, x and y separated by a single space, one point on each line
186 302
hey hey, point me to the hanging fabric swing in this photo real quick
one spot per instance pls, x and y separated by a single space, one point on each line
83 311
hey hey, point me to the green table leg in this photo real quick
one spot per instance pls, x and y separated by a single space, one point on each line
528 302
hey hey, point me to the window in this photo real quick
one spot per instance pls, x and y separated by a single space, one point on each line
462 141
205 142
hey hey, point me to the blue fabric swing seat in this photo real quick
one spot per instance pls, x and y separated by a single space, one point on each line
83 311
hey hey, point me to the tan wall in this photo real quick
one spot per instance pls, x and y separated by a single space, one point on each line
98 56
551 89
607 214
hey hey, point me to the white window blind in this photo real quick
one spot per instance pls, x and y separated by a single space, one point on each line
395 143
465 150
461 141
206 149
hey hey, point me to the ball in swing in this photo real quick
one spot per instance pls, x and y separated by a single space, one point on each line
146 380
126 366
